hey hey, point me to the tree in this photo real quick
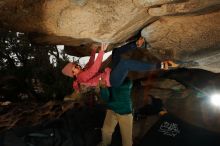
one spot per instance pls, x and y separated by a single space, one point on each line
30 64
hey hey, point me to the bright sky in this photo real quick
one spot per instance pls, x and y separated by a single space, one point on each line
83 60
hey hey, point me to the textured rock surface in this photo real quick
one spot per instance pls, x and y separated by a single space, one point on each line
183 7
191 104
186 38
175 29
69 21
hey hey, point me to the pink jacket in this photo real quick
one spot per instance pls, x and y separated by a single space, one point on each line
90 75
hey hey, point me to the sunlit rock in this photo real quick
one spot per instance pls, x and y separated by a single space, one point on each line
186 38
183 7
73 22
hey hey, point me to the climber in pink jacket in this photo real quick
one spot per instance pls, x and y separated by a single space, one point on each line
90 74
114 76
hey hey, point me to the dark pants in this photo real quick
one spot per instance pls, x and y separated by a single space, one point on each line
121 67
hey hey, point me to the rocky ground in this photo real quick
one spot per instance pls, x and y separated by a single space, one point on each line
30 113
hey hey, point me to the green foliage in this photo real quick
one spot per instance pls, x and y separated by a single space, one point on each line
31 64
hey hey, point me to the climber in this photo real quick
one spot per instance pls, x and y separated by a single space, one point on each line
114 76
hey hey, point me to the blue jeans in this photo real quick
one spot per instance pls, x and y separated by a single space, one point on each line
121 67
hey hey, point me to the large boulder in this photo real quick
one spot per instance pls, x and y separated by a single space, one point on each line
73 22
189 98
187 31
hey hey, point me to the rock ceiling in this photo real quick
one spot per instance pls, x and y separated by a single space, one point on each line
183 30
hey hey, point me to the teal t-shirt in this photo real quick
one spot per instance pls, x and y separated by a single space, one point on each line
118 99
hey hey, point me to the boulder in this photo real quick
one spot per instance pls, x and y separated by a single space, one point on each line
74 22
185 31
189 99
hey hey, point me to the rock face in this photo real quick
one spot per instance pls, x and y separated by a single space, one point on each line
187 31
73 22
175 29
190 98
